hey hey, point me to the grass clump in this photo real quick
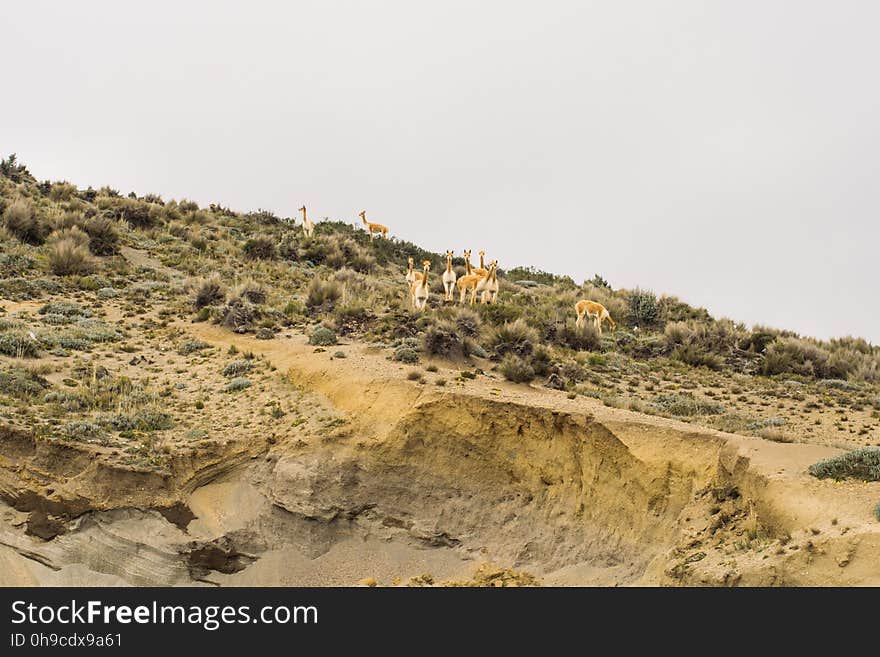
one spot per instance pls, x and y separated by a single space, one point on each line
322 292
863 463
260 248
516 338
443 339
68 258
209 292
516 369
22 221
103 235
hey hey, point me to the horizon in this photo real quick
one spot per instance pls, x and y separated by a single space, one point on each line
715 154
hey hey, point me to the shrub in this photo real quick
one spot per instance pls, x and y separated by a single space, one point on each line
322 336
516 369
19 344
516 338
238 384
237 315
696 357
67 258
192 346
686 405
260 248
237 368
643 309
82 430
21 220
321 292
863 463
74 234
406 354
252 291
103 235
65 309
442 339
209 291
137 213
468 322
581 338
22 383
143 420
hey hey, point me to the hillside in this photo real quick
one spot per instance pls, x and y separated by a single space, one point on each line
256 407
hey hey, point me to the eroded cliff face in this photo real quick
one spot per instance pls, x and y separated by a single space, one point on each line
438 483
458 481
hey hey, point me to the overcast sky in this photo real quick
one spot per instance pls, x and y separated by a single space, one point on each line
724 152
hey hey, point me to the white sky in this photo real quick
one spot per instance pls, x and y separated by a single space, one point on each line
724 152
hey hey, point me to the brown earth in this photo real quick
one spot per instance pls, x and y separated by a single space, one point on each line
394 481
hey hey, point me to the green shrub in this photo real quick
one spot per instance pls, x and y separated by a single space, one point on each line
643 309
322 336
863 464
516 369
260 248
67 258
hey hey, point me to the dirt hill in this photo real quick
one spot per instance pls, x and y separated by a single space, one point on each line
199 395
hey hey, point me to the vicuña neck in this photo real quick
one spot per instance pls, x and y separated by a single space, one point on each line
482 261
449 263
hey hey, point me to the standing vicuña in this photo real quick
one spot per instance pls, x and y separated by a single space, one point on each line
374 228
308 224
419 288
594 310
449 277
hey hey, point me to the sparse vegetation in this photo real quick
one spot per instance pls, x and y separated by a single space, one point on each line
863 464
